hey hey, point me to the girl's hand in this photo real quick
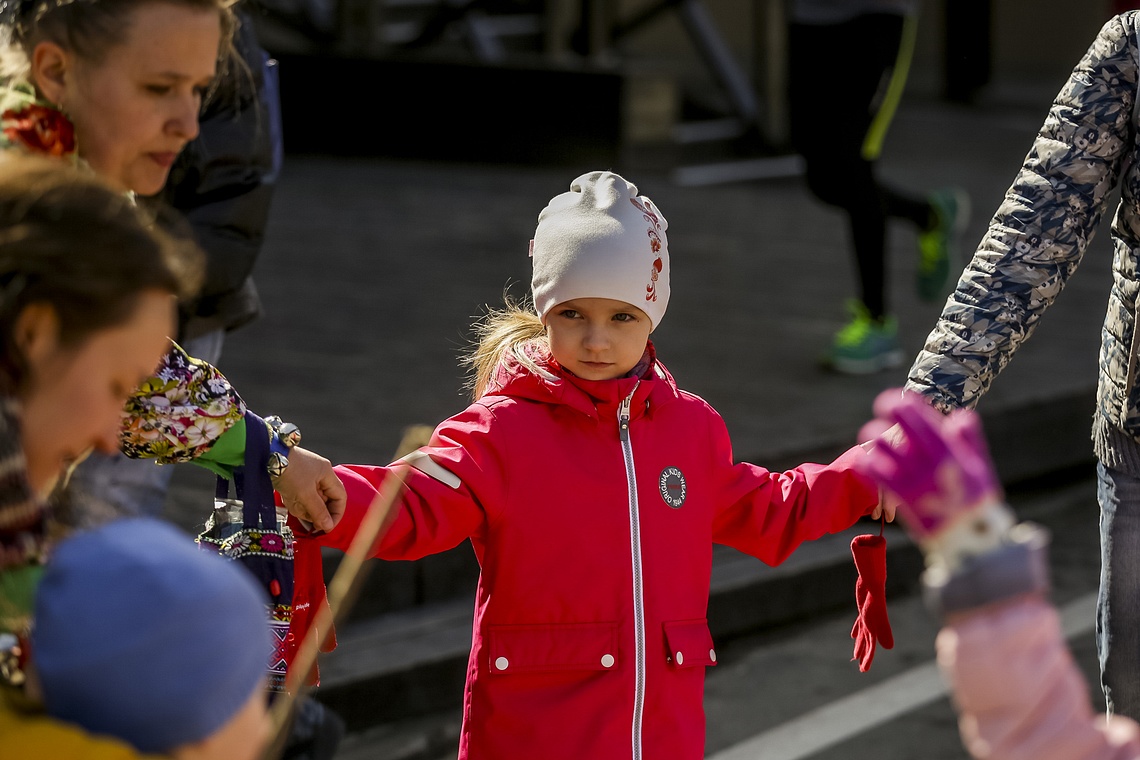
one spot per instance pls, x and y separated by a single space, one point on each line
888 505
879 432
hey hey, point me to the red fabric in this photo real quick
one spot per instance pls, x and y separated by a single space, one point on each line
543 497
309 596
872 625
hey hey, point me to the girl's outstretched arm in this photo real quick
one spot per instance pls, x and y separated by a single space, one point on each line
448 482
768 514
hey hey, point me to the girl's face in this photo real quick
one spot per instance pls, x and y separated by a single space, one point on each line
597 338
137 108
73 395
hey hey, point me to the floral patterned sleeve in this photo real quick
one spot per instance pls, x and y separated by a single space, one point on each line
180 412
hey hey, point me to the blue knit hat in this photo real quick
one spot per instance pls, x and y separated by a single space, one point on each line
141 635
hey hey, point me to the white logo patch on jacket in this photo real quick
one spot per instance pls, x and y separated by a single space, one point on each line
672 486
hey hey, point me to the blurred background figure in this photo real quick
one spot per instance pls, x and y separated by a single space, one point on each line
848 62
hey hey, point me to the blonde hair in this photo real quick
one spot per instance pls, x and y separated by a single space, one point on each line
501 334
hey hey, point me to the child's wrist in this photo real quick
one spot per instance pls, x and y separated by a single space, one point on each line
1018 566
975 531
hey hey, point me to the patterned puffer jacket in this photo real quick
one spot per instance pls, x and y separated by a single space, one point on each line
1085 150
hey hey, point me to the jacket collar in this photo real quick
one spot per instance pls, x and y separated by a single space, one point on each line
553 384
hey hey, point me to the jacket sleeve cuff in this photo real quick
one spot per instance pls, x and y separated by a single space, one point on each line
1017 567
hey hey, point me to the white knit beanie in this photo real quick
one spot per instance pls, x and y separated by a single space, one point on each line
601 240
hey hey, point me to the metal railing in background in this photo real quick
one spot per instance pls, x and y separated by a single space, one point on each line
581 33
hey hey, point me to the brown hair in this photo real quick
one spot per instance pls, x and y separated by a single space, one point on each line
501 333
89 28
70 240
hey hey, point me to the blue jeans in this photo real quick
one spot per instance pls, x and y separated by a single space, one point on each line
138 486
1118 603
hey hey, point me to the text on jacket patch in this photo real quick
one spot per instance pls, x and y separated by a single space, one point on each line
672 487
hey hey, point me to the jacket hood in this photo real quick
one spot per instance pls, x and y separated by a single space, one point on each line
552 384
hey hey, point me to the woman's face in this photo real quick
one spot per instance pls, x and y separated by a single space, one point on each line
73 395
137 108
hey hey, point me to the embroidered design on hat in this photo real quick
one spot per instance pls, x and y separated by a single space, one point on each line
654 273
672 486
649 215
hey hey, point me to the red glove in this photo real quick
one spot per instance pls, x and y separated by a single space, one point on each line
872 625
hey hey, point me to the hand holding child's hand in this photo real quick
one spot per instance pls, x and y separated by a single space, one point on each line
938 465
310 489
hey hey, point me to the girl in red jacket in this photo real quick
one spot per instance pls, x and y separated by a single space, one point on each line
593 489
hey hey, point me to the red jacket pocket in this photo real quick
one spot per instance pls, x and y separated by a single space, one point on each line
688 644
538 648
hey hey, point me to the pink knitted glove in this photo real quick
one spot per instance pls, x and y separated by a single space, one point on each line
940 467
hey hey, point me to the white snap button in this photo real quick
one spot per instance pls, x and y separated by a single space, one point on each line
712 655
501 663
607 660
680 659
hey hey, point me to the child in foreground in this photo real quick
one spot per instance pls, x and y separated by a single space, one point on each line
1018 693
593 489
141 636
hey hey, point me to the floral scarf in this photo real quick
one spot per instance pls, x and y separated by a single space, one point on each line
23 525
35 125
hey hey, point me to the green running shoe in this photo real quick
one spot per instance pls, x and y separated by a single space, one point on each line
938 260
865 345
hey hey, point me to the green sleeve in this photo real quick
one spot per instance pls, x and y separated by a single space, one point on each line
227 453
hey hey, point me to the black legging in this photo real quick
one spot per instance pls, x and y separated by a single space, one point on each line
837 75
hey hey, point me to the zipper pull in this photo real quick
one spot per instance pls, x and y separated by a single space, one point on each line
623 415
